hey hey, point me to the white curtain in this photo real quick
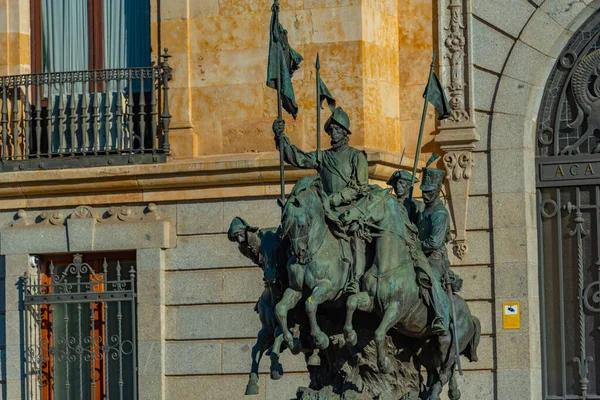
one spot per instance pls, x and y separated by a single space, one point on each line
65 30
126 33
126 45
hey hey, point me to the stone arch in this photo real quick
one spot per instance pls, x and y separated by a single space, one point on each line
512 135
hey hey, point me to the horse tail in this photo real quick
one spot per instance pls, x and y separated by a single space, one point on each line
471 350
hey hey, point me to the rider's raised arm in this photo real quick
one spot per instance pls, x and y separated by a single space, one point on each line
297 157
291 154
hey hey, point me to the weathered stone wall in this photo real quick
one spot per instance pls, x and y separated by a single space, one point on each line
14 37
375 58
515 45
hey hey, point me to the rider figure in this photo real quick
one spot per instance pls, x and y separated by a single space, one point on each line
262 246
434 225
401 181
344 172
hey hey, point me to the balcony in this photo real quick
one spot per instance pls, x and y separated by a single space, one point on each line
85 118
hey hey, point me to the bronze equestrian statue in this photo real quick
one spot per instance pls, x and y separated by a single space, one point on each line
345 242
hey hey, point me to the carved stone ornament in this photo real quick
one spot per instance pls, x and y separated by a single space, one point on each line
120 214
21 218
84 212
458 134
455 43
151 213
52 218
459 165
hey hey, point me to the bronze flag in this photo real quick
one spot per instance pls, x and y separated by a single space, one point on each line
283 62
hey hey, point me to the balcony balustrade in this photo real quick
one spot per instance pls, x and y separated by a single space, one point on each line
85 118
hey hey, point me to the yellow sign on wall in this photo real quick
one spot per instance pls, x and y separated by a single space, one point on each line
511 315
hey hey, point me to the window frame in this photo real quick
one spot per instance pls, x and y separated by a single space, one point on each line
95 34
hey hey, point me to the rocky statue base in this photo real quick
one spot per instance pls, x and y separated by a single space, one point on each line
347 372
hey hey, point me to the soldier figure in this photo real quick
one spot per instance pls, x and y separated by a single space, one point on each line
434 221
344 172
401 181
434 229
262 246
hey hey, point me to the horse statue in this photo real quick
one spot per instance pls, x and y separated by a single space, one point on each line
317 262
390 288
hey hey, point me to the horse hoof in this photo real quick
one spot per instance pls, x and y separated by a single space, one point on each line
276 375
454 394
276 371
321 341
351 338
386 366
252 387
296 347
314 361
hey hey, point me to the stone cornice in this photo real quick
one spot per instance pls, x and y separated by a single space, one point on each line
209 172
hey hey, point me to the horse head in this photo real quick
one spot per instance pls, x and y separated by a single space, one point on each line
303 219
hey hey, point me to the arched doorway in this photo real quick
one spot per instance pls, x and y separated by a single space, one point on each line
568 212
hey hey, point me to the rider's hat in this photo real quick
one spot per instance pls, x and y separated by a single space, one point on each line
433 178
237 225
340 118
400 175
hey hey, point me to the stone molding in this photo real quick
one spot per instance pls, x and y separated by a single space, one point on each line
86 229
25 189
458 134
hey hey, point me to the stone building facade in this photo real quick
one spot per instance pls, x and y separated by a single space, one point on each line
194 292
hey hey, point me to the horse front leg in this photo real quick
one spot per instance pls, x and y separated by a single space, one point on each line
390 318
289 300
361 301
453 392
263 342
320 294
276 367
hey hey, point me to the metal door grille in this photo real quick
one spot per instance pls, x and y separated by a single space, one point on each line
569 221
79 325
568 216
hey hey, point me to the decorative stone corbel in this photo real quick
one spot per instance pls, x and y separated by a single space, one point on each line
52 218
120 214
20 219
458 134
151 213
84 212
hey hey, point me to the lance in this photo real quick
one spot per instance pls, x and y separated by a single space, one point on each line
418 152
318 68
401 158
277 41
281 149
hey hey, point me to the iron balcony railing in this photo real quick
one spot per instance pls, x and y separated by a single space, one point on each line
85 118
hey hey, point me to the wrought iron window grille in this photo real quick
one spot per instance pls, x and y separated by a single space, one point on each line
85 118
80 331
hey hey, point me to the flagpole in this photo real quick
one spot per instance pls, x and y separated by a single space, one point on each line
418 152
275 9
318 68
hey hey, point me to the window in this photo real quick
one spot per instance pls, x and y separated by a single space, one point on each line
80 328
77 35
110 112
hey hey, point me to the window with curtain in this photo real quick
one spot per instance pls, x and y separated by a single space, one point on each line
79 35
74 35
